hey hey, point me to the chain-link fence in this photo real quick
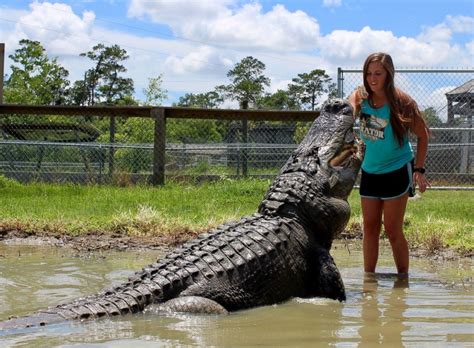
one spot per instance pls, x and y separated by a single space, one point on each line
60 145
232 148
446 98
122 145
126 145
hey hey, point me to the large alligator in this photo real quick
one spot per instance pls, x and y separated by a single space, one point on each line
282 251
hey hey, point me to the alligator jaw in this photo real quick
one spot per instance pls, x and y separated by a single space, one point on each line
345 164
352 148
341 159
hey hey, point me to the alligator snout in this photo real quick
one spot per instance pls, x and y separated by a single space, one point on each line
336 106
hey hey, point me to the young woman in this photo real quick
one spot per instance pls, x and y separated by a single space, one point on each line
390 170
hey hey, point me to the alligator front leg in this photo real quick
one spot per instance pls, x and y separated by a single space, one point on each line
326 277
187 304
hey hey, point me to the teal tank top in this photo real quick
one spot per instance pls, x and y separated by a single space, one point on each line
383 153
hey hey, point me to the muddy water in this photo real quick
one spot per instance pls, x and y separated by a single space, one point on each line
434 308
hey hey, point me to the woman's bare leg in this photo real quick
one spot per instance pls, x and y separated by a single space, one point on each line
393 216
372 215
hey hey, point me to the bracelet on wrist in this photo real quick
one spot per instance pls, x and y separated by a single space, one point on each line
420 170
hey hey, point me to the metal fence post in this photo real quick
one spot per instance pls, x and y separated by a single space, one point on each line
340 79
159 143
465 155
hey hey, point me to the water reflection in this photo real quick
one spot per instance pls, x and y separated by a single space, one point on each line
380 308
382 312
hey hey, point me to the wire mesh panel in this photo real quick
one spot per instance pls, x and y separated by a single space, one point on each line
122 145
446 99
228 148
70 148
102 147
50 148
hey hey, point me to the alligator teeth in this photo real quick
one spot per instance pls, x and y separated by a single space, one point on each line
346 152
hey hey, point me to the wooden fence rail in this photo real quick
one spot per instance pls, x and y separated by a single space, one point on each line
159 115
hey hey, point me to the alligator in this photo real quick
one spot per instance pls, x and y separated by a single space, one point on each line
280 252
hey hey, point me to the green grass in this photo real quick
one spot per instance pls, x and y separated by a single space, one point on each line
437 219
76 209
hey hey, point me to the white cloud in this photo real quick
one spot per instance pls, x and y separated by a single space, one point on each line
444 31
461 24
56 27
7 26
175 13
345 46
204 59
332 3
217 23
280 84
432 48
437 100
440 32
212 35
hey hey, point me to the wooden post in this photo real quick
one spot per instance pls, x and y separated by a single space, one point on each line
245 139
450 120
159 142
111 148
2 69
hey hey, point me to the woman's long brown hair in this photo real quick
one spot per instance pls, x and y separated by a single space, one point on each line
403 109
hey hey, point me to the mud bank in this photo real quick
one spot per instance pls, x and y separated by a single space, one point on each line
85 244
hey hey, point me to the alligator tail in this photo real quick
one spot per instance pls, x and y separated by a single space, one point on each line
120 300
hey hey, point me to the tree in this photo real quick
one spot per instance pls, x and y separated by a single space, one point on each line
78 93
280 100
137 130
248 82
195 130
308 87
208 100
35 79
155 93
332 90
103 82
431 117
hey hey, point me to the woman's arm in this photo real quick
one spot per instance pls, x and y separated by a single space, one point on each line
421 131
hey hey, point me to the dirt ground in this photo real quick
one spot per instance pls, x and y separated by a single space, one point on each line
96 241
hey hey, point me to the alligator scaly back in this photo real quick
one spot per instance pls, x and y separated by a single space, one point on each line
280 252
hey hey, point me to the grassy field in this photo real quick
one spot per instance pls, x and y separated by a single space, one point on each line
437 219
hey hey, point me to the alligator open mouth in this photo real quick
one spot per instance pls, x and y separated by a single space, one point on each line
352 149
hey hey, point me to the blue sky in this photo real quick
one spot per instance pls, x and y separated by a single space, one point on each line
194 43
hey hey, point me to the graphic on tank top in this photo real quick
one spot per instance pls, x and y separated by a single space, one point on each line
372 127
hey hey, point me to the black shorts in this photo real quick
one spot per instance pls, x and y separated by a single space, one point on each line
389 185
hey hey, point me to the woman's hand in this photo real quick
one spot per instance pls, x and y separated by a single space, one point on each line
362 92
356 98
420 181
